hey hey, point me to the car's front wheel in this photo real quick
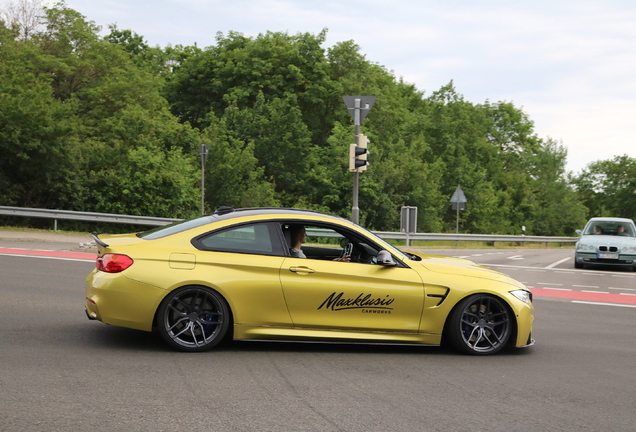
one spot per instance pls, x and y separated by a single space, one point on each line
193 318
480 324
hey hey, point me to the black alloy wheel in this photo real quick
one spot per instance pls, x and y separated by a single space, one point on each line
193 319
480 325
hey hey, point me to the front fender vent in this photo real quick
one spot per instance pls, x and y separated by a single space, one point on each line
433 293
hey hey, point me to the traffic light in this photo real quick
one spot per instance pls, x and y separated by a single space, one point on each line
358 154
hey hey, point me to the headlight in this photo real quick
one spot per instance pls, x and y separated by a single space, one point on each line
584 247
629 249
523 295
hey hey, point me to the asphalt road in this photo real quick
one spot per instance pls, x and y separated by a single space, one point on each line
59 371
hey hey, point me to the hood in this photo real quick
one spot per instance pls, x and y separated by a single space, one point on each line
607 240
462 267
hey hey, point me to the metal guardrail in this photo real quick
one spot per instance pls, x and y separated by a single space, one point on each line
84 216
474 237
155 221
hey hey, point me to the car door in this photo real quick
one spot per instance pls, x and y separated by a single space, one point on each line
322 293
243 263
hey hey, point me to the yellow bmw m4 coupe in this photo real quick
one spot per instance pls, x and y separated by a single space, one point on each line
288 274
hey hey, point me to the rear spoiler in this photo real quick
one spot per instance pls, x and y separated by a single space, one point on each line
98 241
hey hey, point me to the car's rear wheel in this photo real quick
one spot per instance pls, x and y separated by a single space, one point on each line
193 318
480 324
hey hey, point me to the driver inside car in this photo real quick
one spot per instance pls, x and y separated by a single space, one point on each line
298 236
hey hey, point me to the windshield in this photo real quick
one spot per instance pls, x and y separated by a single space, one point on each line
610 227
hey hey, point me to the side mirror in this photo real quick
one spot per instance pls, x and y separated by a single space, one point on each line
385 258
578 232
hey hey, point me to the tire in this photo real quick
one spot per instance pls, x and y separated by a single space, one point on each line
193 319
480 325
577 265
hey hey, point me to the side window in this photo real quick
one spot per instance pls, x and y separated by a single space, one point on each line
261 239
325 243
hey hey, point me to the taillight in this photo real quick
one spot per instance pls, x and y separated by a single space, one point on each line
113 263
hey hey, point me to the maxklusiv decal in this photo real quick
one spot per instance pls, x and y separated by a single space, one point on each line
366 302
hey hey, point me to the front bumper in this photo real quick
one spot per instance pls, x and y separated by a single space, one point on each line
525 320
592 258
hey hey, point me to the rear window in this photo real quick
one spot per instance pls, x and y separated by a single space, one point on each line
174 228
251 238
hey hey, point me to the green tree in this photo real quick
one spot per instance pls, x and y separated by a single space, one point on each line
558 210
239 69
157 61
233 177
608 188
84 128
33 126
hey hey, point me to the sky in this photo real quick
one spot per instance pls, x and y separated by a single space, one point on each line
570 65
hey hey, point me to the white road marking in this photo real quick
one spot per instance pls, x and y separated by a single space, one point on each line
515 257
603 304
558 289
595 292
585 286
517 267
548 283
554 264
625 289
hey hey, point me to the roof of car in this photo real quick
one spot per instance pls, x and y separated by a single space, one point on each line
223 213
610 219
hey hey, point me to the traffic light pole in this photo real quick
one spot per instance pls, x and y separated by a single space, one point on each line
358 107
355 210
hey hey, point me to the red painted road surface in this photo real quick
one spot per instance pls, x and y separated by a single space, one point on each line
46 253
585 296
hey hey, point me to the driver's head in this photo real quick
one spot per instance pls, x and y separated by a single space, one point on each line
297 234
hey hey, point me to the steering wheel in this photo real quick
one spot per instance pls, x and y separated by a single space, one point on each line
347 250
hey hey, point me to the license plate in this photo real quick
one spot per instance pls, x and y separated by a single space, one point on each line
607 256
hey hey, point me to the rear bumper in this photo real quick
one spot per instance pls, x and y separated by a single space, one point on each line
117 300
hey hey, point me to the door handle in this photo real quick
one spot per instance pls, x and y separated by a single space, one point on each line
301 269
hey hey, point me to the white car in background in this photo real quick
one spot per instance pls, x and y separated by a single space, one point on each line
607 241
